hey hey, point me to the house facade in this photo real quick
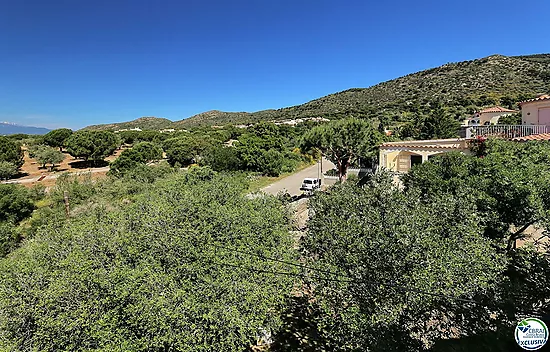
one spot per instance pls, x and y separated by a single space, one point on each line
488 116
401 156
536 111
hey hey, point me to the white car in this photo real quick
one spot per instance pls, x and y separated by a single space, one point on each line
310 184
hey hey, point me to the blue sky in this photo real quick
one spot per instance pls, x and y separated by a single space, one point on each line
73 63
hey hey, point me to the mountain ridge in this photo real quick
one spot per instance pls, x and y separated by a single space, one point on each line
7 128
461 87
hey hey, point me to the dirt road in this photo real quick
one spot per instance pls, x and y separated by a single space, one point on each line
293 182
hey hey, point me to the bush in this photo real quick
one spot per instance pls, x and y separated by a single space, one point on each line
9 238
15 203
222 158
148 277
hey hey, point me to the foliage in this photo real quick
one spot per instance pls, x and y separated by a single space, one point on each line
129 159
92 145
9 238
147 277
386 248
438 124
512 119
7 170
11 152
46 155
186 150
15 203
58 138
222 158
148 151
510 185
343 142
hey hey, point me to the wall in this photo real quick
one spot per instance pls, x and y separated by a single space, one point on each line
529 111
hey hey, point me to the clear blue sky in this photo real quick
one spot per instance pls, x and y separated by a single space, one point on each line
78 62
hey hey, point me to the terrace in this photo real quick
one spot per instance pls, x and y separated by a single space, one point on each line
505 131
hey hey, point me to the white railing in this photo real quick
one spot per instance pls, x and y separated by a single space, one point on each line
505 131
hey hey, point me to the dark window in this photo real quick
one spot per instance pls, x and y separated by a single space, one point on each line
416 159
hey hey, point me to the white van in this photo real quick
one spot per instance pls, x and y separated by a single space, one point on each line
310 184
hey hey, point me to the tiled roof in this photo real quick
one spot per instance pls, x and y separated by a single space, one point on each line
453 143
539 98
496 109
533 137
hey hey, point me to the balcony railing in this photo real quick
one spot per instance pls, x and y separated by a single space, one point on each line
505 131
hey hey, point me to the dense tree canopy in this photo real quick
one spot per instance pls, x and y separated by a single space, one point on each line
140 154
148 277
92 145
58 138
388 249
11 152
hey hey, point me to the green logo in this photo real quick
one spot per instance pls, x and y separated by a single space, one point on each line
531 334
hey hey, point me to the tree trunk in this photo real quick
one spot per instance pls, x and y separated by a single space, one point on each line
343 169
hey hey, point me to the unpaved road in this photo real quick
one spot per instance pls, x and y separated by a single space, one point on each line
293 182
27 179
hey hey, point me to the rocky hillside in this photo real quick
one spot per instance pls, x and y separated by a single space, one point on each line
461 88
144 123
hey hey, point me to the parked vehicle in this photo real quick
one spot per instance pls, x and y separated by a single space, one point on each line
310 184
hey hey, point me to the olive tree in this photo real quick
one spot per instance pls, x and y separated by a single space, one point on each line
164 273
46 155
399 266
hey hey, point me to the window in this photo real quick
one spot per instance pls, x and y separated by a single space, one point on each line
416 159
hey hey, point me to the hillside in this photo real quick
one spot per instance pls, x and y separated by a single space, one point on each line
461 88
145 123
7 128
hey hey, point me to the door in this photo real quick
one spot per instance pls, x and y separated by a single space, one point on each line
544 116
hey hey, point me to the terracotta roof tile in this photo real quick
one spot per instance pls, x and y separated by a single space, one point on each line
496 109
533 137
539 98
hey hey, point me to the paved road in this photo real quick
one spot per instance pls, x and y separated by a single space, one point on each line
293 182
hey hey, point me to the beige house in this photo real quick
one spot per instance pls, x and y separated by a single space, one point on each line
536 111
488 116
401 156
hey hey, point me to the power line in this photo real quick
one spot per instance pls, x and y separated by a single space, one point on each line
348 280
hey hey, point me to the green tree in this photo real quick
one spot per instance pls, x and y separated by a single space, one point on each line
46 155
510 185
7 170
343 142
148 151
15 203
11 152
152 276
222 158
187 150
400 265
92 145
512 119
58 138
